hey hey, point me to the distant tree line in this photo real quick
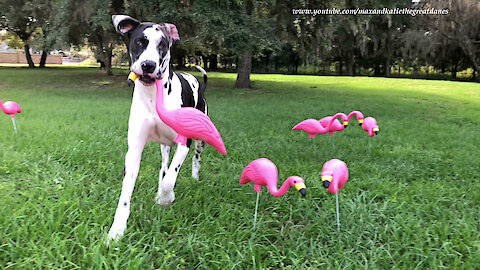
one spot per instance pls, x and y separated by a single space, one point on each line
265 35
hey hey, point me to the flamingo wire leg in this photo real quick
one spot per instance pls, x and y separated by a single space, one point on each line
256 210
338 213
14 125
369 145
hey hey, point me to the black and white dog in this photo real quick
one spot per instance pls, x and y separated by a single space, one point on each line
150 53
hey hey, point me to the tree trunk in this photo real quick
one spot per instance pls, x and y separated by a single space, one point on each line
388 52
244 68
387 66
28 56
340 67
213 62
43 59
454 71
108 61
349 65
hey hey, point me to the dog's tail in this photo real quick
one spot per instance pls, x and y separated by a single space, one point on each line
204 77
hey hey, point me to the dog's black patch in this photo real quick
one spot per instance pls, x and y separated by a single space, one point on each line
138 41
187 93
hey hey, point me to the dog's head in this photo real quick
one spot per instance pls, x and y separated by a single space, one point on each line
149 45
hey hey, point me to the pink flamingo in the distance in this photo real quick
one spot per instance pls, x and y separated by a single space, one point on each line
332 123
370 125
358 115
189 122
334 175
262 172
11 108
327 124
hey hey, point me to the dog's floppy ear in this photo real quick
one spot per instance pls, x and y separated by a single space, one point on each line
124 24
171 31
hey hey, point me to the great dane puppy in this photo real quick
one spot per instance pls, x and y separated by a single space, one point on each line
149 50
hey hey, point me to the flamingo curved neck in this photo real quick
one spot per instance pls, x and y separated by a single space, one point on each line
333 119
279 192
356 113
160 106
2 107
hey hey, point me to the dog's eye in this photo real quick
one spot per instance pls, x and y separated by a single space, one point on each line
141 42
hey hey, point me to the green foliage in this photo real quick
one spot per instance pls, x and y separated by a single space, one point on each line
410 202
12 40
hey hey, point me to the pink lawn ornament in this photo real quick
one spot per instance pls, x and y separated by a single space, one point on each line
358 115
311 126
189 123
332 123
262 172
370 126
334 175
327 124
11 108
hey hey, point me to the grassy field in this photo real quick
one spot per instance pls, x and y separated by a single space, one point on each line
412 200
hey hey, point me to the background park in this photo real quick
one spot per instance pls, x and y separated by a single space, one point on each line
411 200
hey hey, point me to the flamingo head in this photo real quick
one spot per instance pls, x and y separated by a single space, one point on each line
360 121
299 184
375 131
344 119
327 179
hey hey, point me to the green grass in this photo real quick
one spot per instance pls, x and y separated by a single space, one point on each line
412 200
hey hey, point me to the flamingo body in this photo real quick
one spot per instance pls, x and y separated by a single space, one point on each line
334 175
189 122
327 124
10 108
311 126
263 172
370 125
358 115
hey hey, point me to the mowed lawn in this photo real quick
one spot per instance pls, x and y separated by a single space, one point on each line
412 199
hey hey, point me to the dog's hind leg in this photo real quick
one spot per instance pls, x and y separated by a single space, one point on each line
199 146
132 165
165 194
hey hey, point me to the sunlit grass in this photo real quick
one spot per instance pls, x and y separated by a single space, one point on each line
411 200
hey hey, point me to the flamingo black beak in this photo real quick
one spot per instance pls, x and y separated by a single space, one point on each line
360 122
301 188
345 124
131 78
376 130
326 180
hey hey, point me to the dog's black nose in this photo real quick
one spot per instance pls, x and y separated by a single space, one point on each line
148 66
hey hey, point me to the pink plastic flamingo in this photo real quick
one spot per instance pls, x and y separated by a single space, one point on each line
358 115
334 175
327 124
332 123
370 126
189 122
262 172
11 108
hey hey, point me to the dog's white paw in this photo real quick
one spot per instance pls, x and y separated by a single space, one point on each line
195 175
165 198
115 234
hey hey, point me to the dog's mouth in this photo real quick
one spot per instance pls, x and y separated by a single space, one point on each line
146 80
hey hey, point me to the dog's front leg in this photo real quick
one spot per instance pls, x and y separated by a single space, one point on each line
165 194
132 166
